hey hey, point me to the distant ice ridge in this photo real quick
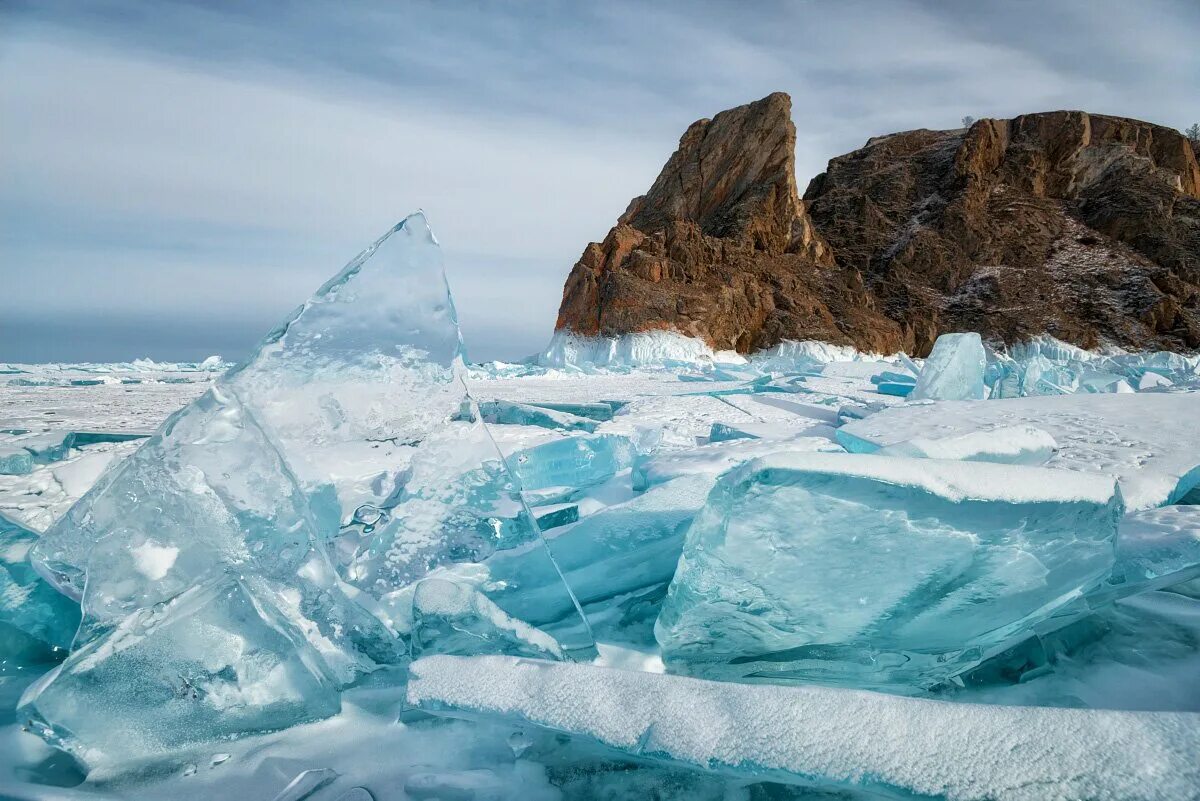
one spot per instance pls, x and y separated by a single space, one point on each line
667 349
631 351
212 364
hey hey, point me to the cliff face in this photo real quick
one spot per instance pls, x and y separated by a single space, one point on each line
1082 226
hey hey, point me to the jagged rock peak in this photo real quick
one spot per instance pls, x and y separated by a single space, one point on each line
1080 225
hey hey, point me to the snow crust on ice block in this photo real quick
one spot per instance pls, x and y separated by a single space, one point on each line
954 370
37 623
217 660
1009 445
1146 439
367 372
830 738
450 618
876 571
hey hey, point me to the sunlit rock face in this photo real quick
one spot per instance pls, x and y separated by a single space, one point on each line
1079 225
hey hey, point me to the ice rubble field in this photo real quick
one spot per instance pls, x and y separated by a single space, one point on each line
354 568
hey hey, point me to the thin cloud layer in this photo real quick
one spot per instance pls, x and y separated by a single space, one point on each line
202 167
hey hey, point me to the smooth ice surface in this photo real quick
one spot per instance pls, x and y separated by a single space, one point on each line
954 370
1146 439
37 623
1008 445
833 738
879 571
218 660
450 618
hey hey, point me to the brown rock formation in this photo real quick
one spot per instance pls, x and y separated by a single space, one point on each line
1082 226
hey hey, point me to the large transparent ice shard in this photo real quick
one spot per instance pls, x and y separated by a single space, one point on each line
349 405
879 571
954 370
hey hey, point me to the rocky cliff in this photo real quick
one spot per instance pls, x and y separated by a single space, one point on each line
1083 226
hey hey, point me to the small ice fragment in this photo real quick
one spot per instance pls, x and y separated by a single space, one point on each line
600 412
521 414
1152 381
306 783
954 370
450 618
519 742
356 794
15 460
722 432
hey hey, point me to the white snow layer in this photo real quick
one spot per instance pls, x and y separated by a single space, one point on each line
948 478
820 735
1150 442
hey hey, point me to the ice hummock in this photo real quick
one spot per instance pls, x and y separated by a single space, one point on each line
238 523
828 738
954 370
875 571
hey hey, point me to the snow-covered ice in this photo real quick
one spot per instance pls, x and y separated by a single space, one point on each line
1148 440
395 519
831 737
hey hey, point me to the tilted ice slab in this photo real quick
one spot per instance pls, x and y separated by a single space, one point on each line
831 738
1147 440
954 370
877 571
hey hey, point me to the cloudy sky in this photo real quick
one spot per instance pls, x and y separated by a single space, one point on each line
174 177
